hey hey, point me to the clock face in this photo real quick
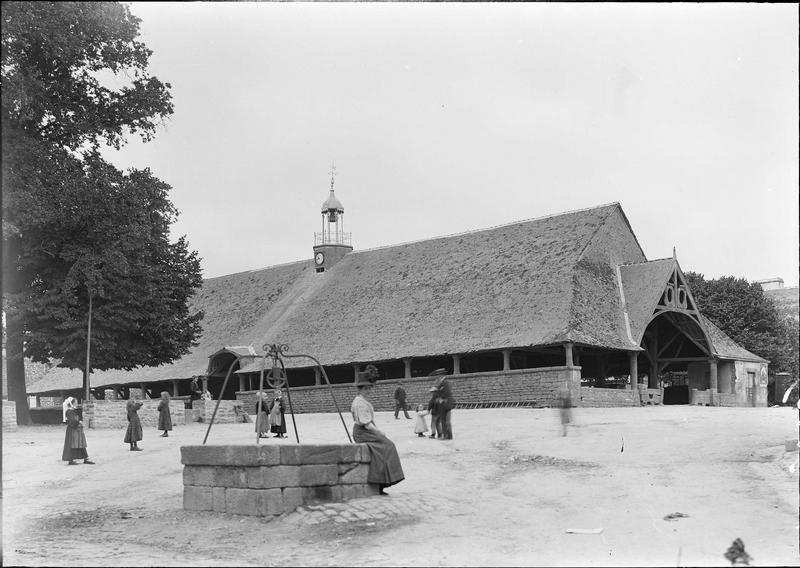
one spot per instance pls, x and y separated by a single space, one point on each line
319 258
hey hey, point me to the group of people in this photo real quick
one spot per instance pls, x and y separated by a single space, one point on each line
439 407
75 439
270 415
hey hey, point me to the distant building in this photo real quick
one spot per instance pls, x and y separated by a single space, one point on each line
512 312
787 300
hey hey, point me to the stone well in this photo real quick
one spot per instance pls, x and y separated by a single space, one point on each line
270 479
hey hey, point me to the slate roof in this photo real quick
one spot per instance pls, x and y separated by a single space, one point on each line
644 284
531 283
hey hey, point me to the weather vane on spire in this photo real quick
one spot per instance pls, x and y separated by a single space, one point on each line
332 171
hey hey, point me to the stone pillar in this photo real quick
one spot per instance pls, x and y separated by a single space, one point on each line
506 359
568 350
317 376
144 391
241 382
713 386
175 390
456 364
355 373
634 364
407 363
205 384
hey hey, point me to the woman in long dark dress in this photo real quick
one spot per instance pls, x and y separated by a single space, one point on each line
384 465
75 440
164 417
134 432
277 419
262 416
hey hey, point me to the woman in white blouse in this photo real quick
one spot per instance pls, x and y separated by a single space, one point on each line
384 466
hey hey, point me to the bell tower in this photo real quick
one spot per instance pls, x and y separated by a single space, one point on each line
332 243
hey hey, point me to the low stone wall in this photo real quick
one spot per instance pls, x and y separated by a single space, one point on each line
269 480
599 397
537 387
113 413
229 411
9 415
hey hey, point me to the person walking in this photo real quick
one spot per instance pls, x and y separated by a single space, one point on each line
164 417
134 432
277 419
75 440
565 408
400 402
262 416
385 469
420 426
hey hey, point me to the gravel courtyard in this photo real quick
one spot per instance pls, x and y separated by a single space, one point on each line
650 486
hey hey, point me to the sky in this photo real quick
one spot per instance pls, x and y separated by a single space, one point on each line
443 118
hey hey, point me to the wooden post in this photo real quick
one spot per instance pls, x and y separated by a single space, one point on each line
317 376
713 386
241 382
456 364
568 350
175 387
355 372
407 363
634 364
144 391
205 385
506 359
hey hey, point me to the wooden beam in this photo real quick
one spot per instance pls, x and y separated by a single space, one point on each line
692 339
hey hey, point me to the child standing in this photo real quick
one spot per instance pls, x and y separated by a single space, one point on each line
421 426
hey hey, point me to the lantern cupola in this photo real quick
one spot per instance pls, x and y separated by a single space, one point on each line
332 243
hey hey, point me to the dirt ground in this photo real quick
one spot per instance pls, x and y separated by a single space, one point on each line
668 486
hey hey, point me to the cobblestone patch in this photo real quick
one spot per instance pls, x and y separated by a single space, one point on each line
361 511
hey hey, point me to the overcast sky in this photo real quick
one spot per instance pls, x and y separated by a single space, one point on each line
443 118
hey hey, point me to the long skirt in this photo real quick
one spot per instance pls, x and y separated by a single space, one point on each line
74 445
164 419
277 422
384 466
262 423
134 432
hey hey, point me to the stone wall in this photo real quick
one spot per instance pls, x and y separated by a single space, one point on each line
537 387
9 415
599 397
229 411
113 414
269 480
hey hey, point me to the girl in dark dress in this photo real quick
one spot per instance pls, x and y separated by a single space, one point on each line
384 466
74 441
276 415
134 432
164 417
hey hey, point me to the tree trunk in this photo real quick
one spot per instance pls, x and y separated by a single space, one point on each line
15 365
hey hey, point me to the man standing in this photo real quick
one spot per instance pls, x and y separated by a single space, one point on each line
446 404
400 402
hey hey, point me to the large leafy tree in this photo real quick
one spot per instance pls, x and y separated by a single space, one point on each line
749 317
77 232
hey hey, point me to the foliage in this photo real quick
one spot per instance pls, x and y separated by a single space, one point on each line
75 227
749 317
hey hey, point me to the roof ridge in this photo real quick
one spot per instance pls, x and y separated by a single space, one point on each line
646 261
474 231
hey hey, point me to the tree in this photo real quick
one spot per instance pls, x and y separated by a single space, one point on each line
749 317
75 229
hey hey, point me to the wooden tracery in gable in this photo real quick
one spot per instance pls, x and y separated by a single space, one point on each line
680 336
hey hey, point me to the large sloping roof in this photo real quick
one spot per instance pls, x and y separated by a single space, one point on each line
643 284
531 283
